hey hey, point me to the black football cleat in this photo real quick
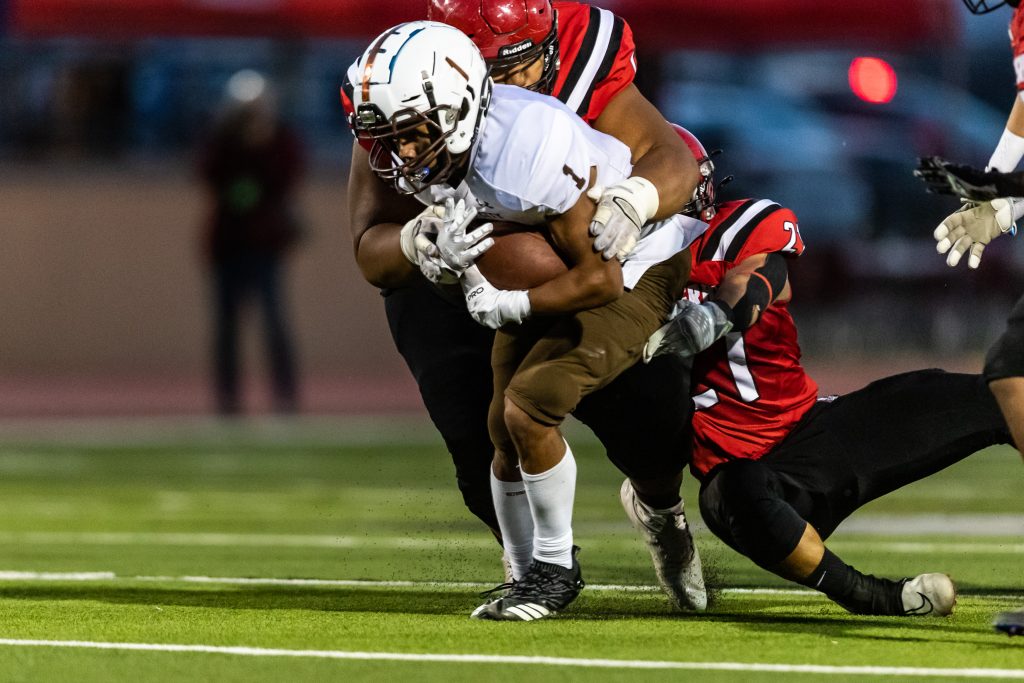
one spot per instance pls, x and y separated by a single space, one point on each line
545 589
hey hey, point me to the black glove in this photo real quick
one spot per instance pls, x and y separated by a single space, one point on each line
968 182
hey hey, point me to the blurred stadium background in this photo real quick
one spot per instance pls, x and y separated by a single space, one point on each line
333 533
105 301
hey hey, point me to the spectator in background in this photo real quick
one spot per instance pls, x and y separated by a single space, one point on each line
251 165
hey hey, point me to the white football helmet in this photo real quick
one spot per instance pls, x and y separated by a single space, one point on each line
422 83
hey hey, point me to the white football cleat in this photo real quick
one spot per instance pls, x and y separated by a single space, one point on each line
925 594
676 561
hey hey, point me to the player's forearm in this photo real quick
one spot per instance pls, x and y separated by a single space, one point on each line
659 155
591 281
380 257
576 290
376 216
753 285
673 171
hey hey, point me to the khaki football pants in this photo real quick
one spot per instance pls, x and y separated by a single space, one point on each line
546 366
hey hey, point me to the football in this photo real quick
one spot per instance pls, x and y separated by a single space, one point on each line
522 257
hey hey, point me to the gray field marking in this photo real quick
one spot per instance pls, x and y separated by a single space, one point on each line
970 524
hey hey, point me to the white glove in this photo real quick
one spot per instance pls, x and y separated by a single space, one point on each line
490 306
972 228
427 222
454 247
432 267
422 231
621 212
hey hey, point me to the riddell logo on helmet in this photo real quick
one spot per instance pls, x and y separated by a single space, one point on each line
510 50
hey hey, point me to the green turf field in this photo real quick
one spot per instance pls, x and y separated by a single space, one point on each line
192 539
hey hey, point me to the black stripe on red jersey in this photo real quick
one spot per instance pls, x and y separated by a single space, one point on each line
740 238
711 246
579 60
606 64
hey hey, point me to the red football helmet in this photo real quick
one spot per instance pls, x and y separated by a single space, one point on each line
511 34
702 205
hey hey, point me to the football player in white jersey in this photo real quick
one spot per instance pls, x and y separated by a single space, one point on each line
636 418
441 130
993 203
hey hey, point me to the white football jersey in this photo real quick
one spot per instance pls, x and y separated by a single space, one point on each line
532 159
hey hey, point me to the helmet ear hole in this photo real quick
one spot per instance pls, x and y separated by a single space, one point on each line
464 109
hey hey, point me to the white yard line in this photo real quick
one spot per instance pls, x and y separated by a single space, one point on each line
409 542
241 651
931 524
76 577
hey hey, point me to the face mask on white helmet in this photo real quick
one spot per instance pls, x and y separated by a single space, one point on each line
419 93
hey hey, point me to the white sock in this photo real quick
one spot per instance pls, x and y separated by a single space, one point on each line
515 521
551 496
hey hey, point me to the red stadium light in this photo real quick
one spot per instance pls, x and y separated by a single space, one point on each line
872 79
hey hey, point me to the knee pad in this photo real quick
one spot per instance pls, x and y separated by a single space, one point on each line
743 505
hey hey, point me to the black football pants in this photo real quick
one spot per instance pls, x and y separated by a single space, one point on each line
846 452
642 418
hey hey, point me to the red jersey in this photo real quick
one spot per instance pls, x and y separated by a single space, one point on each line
749 389
1017 43
596 60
